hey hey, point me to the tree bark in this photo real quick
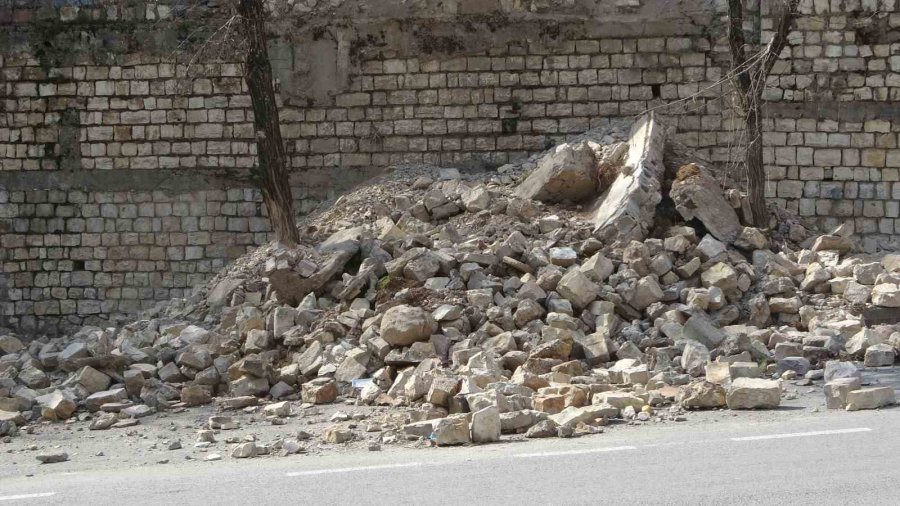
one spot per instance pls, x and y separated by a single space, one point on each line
271 175
756 173
750 81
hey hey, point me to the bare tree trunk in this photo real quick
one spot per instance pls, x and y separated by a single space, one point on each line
272 173
750 81
756 174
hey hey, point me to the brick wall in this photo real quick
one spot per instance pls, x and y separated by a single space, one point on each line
485 87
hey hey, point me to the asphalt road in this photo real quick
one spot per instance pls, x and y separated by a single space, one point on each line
839 458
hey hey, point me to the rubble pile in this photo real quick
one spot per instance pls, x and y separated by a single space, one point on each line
600 281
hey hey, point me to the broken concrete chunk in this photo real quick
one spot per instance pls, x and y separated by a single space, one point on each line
886 295
56 406
453 430
646 292
566 174
870 398
577 288
698 195
879 355
701 395
751 393
626 210
701 328
837 389
694 358
319 391
337 434
91 379
597 268
486 425
403 325
10 344
52 457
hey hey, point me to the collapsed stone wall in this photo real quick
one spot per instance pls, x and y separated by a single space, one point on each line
100 110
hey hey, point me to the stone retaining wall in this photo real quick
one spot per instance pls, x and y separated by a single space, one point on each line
94 99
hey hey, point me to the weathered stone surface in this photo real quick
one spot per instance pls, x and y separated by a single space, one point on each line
597 268
94 401
248 385
56 406
832 242
563 257
11 417
10 344
870 398
353 366
789 305
702 329
422 267
572 415
52 457
543 429
800 365
319 391
196 395
646 292
856 293
34 378
879 355
567 174
291 287
520 420
593 347
91 379
694 358
138 411
453 430
103 421
577 288
403 325
837 389
627 209
279 409
886 295
134 381
245 451
337 434
698 195
619 400
702 395
744 370
751 239
486 425
720 275
861 341
750 393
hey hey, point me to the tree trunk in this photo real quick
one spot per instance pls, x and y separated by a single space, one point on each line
756 176
272 175
750 79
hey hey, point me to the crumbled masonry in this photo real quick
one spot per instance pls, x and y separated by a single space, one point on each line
471 312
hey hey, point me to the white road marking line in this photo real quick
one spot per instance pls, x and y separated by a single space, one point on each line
353 469
803 434
576 452
26 496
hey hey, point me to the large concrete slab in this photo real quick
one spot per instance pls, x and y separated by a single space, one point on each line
625 212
